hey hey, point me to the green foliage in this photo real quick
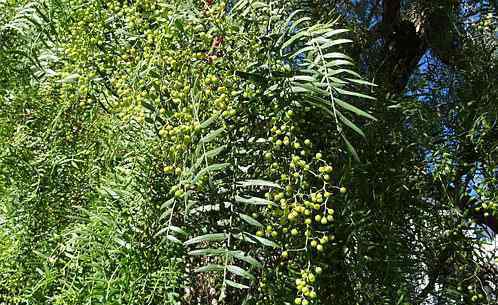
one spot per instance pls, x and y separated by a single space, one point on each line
203 152
140 141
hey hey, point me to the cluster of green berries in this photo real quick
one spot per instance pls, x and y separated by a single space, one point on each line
302 210
305 286
489 208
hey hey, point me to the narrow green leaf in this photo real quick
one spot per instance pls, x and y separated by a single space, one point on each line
254 201
173 239
257 182
361 82
250 220
309 87
336 63
206 237
212 135
335 43
263 241
236 285
209 169
296 23
354 109
167 203
178 230
350 148
350 124
303 50
336 55
335 32
240 272
318 40
317 102
239 5
208 155
251 76
305 78
346 92
210 268
347 71
223 252
214 152
161 231
209 121
293 39
208 252
246 258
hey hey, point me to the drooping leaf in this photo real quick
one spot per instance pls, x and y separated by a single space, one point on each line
263 241
240 272
248 219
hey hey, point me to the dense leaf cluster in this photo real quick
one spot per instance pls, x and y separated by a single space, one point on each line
212 152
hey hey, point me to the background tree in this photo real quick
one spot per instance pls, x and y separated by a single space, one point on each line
205 152
435 64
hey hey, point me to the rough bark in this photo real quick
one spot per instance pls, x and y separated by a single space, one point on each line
405 40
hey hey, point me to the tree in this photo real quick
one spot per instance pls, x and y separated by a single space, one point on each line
434 57
246 152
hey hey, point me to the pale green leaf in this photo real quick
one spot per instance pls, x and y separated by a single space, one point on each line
212 135
263 241
210 268
250 220
206 237
258 182
240 272
254 200
236 285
